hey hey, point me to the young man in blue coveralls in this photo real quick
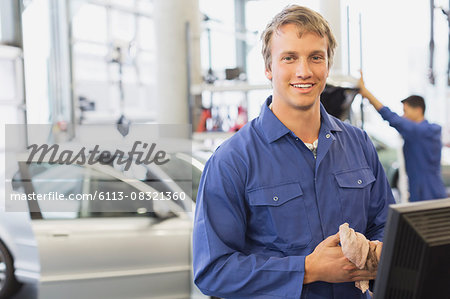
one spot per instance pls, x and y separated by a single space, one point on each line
422 145
272 197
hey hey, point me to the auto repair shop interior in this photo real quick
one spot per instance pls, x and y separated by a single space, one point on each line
116 113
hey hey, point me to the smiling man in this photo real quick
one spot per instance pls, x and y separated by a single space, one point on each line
272 197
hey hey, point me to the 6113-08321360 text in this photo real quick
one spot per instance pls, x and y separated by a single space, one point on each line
56 196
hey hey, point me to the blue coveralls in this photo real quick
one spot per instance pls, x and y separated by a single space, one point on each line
265 202
422 150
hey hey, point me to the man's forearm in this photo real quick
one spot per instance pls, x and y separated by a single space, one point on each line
374 101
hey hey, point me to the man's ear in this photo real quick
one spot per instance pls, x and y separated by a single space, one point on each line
269 75
420 111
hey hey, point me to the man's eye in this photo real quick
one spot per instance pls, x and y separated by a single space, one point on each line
288 59
317 58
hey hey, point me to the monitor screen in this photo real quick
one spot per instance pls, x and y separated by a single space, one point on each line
415 261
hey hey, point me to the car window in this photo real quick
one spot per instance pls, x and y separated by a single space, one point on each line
78 185
119 198
186 171
55 180
64 179
180 171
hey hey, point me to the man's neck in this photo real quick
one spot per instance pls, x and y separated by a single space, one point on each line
304 123
420 119
417 119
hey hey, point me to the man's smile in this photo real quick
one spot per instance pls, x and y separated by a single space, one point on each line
303 87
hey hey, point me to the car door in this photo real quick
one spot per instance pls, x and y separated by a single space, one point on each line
93 252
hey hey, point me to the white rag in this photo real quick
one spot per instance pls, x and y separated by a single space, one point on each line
359 251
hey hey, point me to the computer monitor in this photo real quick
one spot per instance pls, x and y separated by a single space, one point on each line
415 261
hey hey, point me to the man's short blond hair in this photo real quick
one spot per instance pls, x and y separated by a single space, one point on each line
306 20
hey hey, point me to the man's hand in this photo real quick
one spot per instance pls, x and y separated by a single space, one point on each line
362 87
368 95
328 263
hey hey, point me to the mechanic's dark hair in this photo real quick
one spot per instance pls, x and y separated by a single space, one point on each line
415 101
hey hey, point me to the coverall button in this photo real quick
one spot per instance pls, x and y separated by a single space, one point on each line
275 198
359 182
328 136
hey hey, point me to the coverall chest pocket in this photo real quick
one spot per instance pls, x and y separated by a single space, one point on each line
354 190
278 217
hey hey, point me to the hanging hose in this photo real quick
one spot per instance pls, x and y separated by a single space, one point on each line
431 45
447 13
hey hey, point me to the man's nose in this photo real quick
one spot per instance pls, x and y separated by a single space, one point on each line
303 69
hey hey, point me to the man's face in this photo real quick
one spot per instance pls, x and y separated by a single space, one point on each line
299 68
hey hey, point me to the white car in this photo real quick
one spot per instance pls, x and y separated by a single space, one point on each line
92 251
